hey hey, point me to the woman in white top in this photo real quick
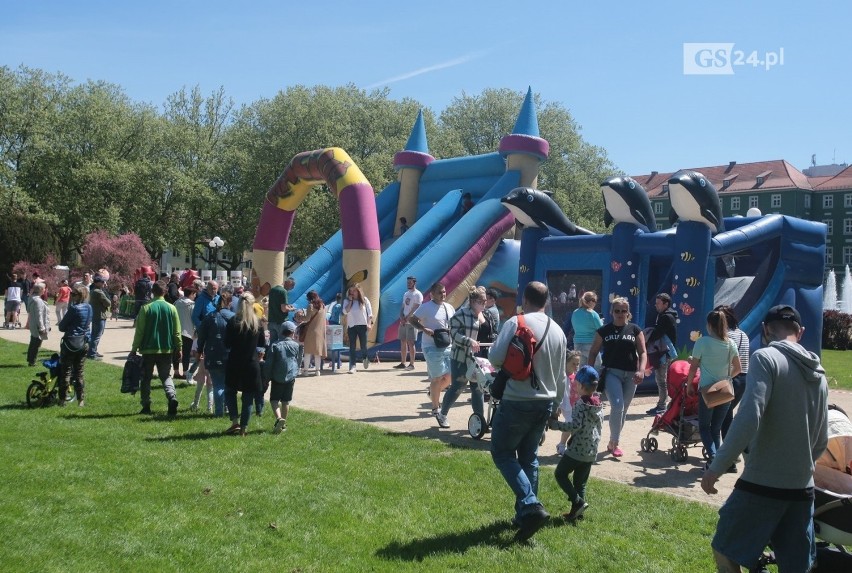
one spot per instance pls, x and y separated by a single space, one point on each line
433 315
359 319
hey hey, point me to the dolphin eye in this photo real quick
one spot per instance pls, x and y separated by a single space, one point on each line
631 184
702 182
530 198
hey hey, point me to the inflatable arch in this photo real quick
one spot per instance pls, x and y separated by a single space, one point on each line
358 221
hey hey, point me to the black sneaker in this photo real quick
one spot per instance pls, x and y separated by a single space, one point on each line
173 406
577 510
531 522
656 411
400 366
145 410
732 469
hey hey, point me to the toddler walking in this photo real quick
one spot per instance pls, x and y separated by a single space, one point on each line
582 449
280 365
570 397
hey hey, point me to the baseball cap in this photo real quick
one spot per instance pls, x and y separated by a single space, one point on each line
587 376
98 279
783 312
288 326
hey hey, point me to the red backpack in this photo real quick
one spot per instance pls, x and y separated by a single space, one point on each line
519 356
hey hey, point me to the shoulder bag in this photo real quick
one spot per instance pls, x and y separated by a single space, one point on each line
441 336
720 392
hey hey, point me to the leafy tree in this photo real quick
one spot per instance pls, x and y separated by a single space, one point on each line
24 238
121 254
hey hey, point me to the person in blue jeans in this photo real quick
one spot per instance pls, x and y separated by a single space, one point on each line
212 348
717 358
526 407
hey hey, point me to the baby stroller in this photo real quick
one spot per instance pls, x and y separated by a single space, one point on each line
45 390
832 499
482 374
680 418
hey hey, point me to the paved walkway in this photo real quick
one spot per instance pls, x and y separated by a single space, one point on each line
397 402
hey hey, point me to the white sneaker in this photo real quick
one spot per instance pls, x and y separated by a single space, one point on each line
318 372
352 370
442 420
366 362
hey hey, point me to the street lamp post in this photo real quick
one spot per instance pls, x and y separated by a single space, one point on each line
215 244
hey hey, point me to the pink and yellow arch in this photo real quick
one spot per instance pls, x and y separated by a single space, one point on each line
358 221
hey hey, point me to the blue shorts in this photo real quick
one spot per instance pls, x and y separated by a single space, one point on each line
749 522
437 361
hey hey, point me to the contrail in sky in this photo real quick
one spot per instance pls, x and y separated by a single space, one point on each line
425 70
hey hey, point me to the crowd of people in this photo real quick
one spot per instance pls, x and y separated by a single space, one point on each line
222 340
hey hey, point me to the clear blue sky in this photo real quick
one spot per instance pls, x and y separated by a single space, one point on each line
617 66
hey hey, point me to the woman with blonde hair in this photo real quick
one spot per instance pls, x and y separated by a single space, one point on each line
717 357
624 360
586 321
359 319
243 337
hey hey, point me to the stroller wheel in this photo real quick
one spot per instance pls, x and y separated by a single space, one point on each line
674 442
683 453
652 444
476 426
644 444
36 394
704 453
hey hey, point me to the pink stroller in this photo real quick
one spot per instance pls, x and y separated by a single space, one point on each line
680 418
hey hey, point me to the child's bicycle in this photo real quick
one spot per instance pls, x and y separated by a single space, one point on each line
45 390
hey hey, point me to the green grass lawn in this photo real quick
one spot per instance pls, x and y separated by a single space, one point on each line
838 368
103 489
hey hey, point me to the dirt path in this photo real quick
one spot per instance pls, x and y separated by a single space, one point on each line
397 401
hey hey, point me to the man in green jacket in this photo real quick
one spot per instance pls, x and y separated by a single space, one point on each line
157 338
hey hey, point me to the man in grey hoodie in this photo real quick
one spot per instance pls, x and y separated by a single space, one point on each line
782 424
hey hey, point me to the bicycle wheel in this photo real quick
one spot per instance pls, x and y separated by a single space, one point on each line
36 394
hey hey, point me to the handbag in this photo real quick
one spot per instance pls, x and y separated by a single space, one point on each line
441 336
718 393
74 344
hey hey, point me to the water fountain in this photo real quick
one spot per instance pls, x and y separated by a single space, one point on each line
846 292
829 297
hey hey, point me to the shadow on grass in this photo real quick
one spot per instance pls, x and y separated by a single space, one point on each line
85 416
16 406
376 419
192 437
493 535
19 366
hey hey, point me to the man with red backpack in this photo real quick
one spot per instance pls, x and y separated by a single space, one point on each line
527 405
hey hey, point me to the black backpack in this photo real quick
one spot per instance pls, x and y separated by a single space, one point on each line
132 374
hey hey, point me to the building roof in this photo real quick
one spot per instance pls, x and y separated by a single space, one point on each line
842 180
738 177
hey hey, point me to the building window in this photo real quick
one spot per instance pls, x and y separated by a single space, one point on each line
659 226
658 208
807 201
186 258
829 223
847 226
827 201
175 253
776 201
847 200
665 187
752 201
847 255
735 203
829 256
